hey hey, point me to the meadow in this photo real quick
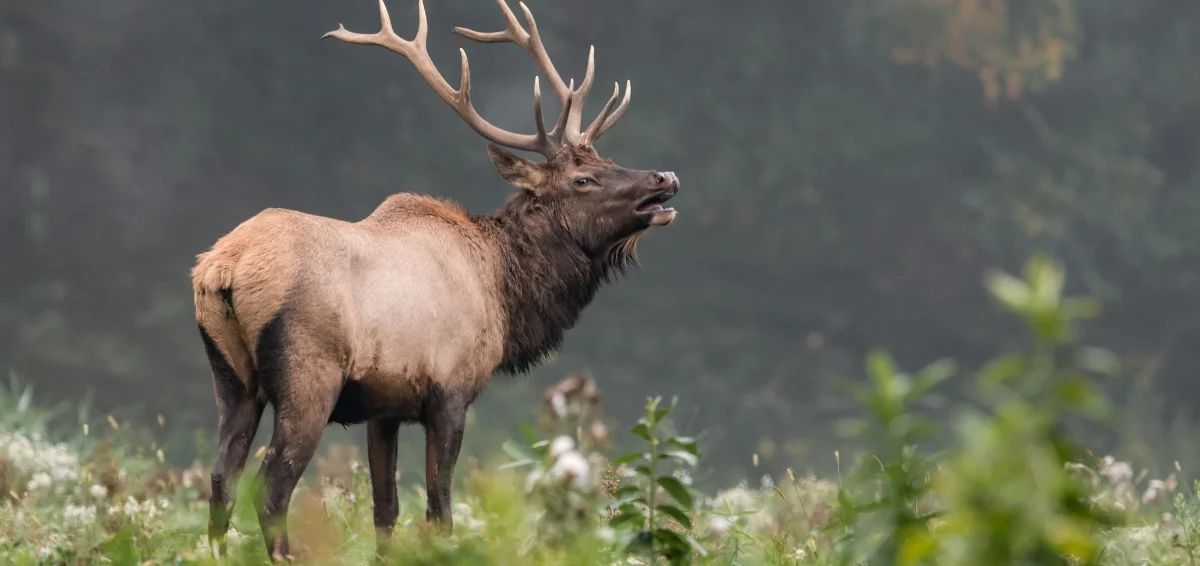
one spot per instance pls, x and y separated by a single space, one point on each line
1012 480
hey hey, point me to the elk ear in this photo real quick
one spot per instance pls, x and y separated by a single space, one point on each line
518 171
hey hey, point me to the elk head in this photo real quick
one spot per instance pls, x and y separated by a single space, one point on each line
597 202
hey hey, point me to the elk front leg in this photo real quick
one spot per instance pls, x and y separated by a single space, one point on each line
381 456
446 416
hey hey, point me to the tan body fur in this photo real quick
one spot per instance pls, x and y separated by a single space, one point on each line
404 298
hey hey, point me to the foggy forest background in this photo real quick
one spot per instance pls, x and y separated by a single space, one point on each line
849 171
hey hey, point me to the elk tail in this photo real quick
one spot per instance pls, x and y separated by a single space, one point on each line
212 287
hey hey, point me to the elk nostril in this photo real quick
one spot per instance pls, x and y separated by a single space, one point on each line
659 178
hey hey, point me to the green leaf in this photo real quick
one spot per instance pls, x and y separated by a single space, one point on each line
930 376
671 542
627 518
625 490
677 514
1002 370
531 436
677 490
685 457
643 431
686 443
517 464
627 458
881 367
1011 292
519 452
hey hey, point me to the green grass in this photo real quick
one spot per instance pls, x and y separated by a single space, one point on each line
1014 483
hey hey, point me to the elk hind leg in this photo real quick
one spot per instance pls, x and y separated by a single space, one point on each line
302 404
238 414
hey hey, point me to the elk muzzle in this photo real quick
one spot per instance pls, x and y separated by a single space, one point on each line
663 185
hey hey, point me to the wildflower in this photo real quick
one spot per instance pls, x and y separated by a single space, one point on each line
561 445
39 481
559 403
1156 489
767 482
1116 472
463 516
534 478
99 491
78 514
572 466
606 534
799 554
738 499
719 525
683 476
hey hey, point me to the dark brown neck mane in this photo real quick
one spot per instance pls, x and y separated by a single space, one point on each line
546 278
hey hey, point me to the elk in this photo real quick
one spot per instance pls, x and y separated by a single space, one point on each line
403 316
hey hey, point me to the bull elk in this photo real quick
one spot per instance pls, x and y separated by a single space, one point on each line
403 316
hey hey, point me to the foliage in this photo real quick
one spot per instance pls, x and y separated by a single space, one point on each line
1012 482
656 505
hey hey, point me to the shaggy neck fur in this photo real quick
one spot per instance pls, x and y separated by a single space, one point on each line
546 278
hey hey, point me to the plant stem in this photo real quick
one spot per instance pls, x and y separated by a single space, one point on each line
653 427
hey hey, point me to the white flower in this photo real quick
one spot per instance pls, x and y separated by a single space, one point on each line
39 481
572 466
533 479
559 403
767 482
799 554
463 516
738 499
99 492
83 515
606 534
1116 472
561 445
683 476
719 525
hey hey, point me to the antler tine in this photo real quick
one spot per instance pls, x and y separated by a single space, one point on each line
594 127
460 100
559 134
553 138
574 121
607 119
538 119
529 41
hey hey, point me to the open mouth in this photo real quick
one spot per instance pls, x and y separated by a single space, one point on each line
653 206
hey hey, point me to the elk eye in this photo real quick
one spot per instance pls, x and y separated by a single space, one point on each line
582 182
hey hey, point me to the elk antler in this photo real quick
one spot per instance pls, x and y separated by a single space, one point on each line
531 43
546 143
